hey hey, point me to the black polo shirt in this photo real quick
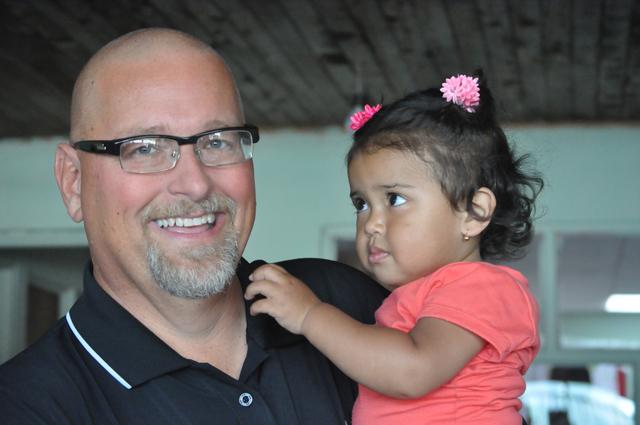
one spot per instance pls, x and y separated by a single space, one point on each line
99 365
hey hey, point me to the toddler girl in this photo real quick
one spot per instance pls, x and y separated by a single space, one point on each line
437 191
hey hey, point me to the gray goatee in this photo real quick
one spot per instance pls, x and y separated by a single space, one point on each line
208 270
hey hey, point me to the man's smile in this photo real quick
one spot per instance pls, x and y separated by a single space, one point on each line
186 221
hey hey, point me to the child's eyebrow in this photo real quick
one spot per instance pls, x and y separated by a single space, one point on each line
395 185
384 187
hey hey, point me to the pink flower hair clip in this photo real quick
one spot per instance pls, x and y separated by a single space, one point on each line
463 91
360 118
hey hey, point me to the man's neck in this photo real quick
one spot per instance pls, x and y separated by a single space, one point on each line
210 330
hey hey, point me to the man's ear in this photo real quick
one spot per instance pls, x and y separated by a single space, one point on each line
67 172
483 204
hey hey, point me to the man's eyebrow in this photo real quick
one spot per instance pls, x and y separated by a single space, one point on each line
211 125
163 129
156 129
137 131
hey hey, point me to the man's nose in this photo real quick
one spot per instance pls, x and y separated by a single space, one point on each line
189 176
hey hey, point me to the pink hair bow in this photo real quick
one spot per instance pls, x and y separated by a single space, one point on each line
360 118
463 91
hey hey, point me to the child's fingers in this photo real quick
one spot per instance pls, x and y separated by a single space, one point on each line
259 287
260 307
250 292
269 272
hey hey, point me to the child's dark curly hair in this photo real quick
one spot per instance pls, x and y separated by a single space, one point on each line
464 151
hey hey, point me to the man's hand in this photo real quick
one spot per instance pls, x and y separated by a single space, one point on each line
287 299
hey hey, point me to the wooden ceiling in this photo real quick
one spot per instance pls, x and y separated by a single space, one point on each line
301 63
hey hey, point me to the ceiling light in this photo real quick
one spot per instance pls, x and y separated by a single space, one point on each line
623 303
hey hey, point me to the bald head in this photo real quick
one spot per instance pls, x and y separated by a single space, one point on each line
151 46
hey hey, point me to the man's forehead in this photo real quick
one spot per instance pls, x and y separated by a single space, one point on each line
137 63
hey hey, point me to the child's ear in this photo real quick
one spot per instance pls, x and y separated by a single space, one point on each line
483 204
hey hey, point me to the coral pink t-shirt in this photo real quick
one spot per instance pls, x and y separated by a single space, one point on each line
491 301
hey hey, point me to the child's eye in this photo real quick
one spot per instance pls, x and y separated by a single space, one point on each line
359 204
396 200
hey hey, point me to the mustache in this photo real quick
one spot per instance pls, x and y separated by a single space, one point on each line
183 207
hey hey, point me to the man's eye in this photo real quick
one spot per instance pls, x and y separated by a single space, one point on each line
140 148
360 205
396 200
216 144
146 149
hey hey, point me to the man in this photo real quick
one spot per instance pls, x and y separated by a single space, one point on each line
161 333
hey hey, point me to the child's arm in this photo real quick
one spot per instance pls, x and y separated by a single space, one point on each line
388 361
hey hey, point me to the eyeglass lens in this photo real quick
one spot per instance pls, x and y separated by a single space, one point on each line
224 148
155 154
148 155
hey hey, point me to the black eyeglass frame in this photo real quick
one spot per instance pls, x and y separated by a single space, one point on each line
112 147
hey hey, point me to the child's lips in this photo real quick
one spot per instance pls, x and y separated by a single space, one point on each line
377 255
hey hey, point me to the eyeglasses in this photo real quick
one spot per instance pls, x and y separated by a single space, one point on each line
154 153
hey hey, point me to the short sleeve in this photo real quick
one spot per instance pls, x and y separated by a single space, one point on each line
493 302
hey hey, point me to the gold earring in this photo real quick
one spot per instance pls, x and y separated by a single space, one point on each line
465 237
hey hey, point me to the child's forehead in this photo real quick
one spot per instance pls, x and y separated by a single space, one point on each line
387 159
387 167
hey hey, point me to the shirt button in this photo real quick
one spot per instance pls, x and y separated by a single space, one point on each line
245 399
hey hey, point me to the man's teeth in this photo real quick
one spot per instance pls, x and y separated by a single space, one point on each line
186 221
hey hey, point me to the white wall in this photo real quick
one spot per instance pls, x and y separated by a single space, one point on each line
591 172
31 211
591 175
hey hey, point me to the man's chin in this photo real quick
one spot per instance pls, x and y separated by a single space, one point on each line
195 273
194 282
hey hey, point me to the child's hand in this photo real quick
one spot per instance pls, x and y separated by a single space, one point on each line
287 299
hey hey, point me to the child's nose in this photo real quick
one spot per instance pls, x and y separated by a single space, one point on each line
375 223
